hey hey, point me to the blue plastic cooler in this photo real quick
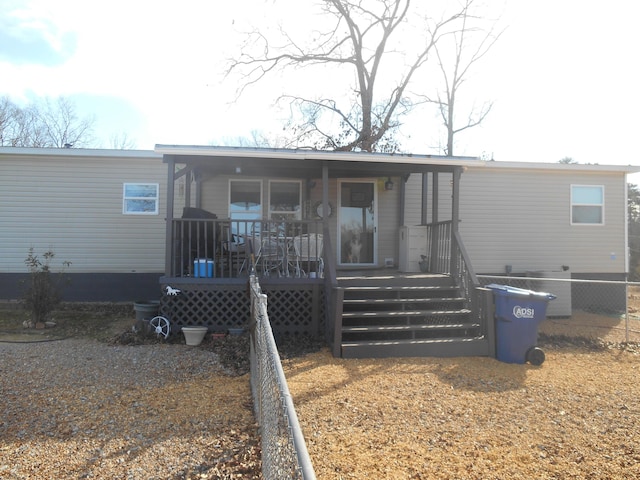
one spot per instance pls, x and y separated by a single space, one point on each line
518 314
203 267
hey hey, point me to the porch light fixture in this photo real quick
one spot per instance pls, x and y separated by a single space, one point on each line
388 185
238 169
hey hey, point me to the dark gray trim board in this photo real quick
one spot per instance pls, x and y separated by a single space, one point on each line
91 287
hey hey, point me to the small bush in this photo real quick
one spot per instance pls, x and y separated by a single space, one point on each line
42 295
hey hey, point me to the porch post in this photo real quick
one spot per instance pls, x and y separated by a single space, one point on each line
425 192
455 218
325 193
168 250
333 302
402 200
188 179
455 207
435 234
198 179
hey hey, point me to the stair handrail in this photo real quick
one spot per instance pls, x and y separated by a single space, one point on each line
465 265
478 297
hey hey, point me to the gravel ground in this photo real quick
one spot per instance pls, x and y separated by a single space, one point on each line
78 408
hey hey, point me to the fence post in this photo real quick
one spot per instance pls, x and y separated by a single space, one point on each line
626 308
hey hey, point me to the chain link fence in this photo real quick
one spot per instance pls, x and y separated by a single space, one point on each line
284 452
602 310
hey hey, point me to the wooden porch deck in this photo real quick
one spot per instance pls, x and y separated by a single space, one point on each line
362 312
366 313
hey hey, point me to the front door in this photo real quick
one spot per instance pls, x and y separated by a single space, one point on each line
357 223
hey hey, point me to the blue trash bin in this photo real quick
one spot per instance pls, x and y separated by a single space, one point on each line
518 314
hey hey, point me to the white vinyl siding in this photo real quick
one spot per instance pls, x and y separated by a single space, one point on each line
73 206
518 217
414 200
388 221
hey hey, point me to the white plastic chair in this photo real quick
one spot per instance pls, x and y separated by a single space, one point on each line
308 252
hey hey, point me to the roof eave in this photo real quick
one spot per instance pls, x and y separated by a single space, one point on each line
312 155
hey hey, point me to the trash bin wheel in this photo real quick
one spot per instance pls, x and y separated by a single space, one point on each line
535 356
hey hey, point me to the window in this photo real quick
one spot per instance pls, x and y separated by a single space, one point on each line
245 203
140 198
284 200
587 205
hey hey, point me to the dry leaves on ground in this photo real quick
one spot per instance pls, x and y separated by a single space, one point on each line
576 416
83 409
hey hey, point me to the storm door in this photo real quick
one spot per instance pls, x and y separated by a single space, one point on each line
357 223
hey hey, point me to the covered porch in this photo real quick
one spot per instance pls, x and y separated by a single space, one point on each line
303 221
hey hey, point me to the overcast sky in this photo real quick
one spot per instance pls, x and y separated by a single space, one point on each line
564 77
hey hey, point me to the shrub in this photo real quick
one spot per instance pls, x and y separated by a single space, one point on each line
43 292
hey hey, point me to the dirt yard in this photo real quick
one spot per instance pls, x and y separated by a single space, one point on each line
76 409
577 416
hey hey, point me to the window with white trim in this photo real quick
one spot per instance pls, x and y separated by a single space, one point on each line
587 204
285 200
245 203
140 198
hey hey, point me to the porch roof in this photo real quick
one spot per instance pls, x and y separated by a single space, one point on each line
308 163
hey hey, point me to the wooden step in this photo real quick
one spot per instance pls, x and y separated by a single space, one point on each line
398 288
399 280
412 317
407 328
393 294
407 313
375 301
400 304
441 347
369 290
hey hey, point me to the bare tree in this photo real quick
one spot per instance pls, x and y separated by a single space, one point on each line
15 123
255 139
567 161
6 120
63 127
122 141
46 124
358 37
457 53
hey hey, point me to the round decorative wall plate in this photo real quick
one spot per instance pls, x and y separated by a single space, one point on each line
319 210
